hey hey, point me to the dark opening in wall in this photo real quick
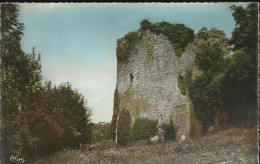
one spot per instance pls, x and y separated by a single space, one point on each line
131 77
180 77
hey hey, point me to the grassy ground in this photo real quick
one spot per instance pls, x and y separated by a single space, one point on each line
234 145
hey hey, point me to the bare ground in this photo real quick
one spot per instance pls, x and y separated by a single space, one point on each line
234 145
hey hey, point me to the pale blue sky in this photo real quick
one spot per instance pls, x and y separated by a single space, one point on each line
77 42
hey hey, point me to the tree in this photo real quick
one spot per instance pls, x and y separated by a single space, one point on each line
241 73
246 29
21 72
115 114
36 119
68 108
211 39
21 83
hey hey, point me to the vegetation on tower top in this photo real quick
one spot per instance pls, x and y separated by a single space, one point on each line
179 36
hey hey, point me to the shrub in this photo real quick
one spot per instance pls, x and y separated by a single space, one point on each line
48 129
115 114
101 134
169 131
143 129
126 45
178 34
145 25
123 128
184 82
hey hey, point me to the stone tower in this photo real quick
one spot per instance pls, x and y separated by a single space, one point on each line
147 82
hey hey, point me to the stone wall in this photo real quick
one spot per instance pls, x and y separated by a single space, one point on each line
153 70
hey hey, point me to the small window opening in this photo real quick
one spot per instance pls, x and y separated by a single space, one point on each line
131 77
181 77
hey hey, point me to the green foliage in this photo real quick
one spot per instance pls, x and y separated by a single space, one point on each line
17 138
241 72
147 43
245 34
36 119
115 114
47 129
126 45
240 87
123 127
169 131
206 91
211 39
178 34
229 83
184 82
101 134
143 129
75 116
145 25
209 60
20 87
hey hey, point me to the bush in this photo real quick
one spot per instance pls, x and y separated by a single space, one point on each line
101 134
169 132
178 34
184 82
145 25
123 128
126 45
143 129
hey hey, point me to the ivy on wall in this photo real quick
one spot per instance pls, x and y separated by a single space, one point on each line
126 45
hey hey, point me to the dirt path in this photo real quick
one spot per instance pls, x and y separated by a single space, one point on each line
229 146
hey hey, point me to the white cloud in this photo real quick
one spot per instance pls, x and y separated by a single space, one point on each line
96 84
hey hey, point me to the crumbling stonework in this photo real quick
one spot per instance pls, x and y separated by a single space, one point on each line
152 71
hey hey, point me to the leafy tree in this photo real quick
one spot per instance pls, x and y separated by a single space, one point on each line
209 60
36 119
21 72
21 83
211 39
143 129
75 120
245 32
206 93
229 83
241 73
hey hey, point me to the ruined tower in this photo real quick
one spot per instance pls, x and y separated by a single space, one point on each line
147 79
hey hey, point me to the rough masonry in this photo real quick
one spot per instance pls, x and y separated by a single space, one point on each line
151 76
